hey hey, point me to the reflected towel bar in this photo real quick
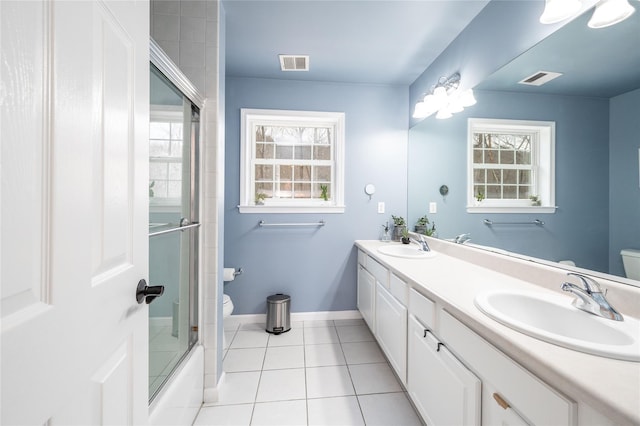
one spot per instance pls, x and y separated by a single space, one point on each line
489 222
178 228
320 223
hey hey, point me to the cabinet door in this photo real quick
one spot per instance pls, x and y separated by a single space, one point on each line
444 391
391 323
366 296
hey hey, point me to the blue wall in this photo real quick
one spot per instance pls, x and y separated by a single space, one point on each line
624 190
316 266
579 228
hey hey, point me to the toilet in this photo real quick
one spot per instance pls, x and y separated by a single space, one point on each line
227 309
631 262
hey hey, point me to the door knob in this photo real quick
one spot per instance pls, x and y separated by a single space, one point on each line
148 293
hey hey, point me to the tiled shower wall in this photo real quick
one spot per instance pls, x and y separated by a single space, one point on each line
189 31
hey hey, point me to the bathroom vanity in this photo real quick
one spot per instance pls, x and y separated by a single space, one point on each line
461 367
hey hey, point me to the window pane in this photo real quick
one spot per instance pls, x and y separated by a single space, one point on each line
175 171
160 189
491 156
507 157
321 152
264 150
322 173
284 173
509 177
323 135
510 192
174 189
158 171
524 176
176 131
285 190
477 156
260 134
158 148
284 152
265 188
317 190
263 172
176 149
523 157
303 153
494 176
159 130
493 191
302 173
308 135
524 192
479 176
302 190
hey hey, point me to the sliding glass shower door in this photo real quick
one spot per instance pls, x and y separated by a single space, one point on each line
173 227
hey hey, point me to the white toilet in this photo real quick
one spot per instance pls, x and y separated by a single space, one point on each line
631 262
227 306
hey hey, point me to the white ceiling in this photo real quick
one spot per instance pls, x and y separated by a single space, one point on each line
353 41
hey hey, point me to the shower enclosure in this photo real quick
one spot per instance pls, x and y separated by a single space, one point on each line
173 227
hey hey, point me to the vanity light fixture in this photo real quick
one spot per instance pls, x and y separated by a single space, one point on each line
559 10
610 12
444 99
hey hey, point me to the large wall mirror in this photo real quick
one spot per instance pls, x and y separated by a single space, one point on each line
595 105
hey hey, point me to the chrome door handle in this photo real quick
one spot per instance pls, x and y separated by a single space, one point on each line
148 294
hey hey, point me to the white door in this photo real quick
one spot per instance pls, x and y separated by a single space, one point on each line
74 126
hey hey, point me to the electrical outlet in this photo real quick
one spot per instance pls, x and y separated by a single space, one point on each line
381 207
433 207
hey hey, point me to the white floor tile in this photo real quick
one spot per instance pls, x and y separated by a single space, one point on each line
318 323
339 411
281 357
253 326
349 322
238 388
249 359
323 355
328 381
374 378
384 409
362 353
230 326
355 333
281 413
318 335
293 337
231 415
228 338
281 385
250 339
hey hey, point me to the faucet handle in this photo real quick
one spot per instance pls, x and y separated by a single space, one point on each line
590 285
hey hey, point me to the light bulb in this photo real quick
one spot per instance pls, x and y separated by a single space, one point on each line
559 10
444 113
467 99
420 111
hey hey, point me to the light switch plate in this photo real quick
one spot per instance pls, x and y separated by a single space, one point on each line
381 207
433 207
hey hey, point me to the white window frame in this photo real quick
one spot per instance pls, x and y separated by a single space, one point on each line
543 165
165 114
253 117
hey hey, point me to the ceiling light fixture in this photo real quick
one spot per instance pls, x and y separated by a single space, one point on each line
559 10
610 12
444 99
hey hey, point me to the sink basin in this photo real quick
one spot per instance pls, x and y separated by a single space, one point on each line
407 251
552 318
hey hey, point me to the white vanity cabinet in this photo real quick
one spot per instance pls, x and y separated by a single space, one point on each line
391 324
366 295
444 391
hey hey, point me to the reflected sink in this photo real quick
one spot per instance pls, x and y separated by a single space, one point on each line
407 251
552 318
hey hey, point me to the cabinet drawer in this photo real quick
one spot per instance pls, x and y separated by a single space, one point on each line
535 400
422 308
380 272
362 258
398 289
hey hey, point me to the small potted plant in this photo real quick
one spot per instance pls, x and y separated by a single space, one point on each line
324 192
535 200
260 197
398 226
385 232
421 225
479 197
405 236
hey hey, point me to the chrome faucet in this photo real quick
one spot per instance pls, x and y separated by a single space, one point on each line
422 243
590 298
462 238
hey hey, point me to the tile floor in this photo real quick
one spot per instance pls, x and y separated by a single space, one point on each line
319 373
164 353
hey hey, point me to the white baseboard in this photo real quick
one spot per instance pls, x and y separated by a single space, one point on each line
235 320
161 321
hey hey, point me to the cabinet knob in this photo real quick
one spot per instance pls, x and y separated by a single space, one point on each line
501 402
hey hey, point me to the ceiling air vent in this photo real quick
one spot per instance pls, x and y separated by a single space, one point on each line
294 62
539 78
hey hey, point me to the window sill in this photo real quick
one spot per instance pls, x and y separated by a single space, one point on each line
518 209
291 209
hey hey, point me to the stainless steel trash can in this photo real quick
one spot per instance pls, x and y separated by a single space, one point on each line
278 313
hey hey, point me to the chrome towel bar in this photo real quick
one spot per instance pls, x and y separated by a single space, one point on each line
262 223
489 222
178 228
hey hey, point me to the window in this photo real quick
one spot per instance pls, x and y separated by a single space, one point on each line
166 134
511 166
292 161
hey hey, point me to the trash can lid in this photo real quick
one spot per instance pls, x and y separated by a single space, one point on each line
278 298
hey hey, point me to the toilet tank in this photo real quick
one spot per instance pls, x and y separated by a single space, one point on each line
631 262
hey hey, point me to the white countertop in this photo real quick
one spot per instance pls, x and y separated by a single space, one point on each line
611 387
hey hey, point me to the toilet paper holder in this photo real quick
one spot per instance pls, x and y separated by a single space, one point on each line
238 271
230 274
